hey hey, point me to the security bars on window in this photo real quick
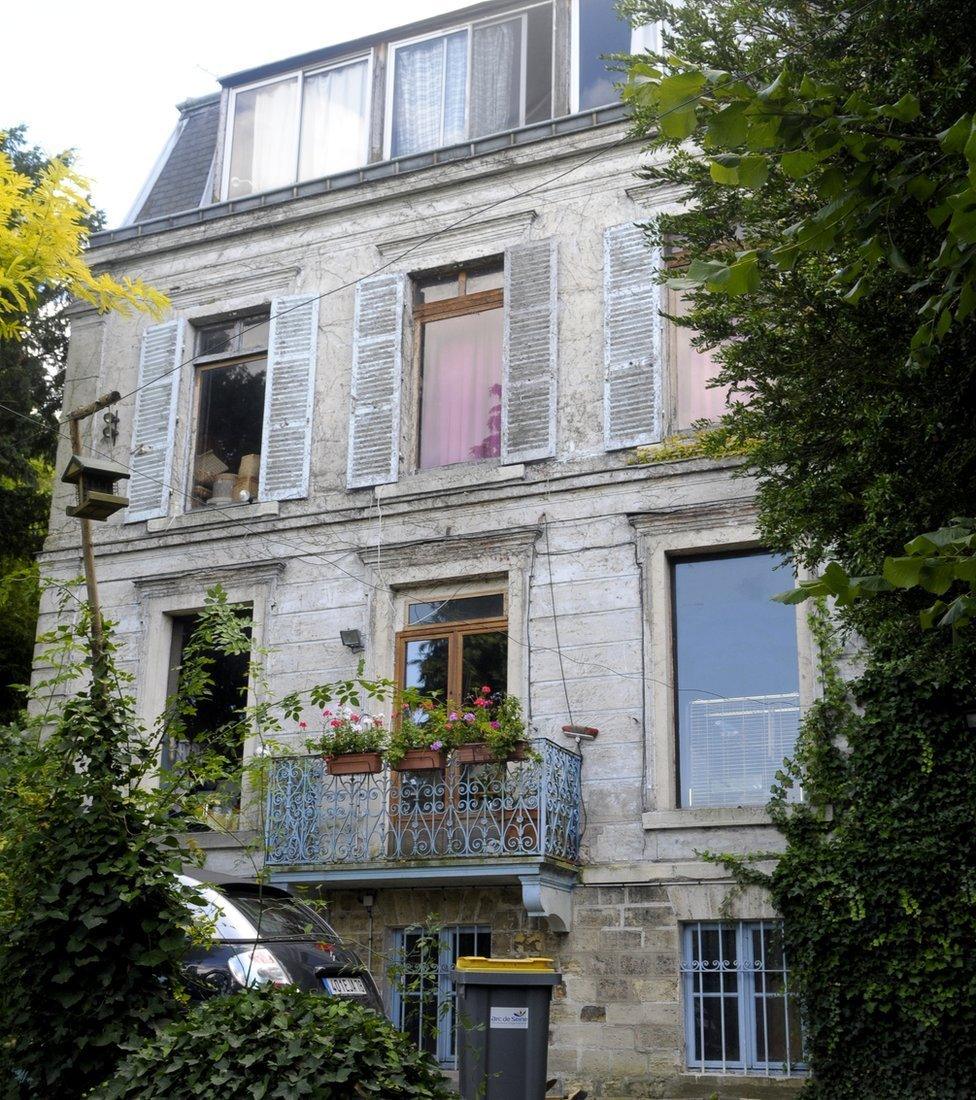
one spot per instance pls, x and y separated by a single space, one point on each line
740 1014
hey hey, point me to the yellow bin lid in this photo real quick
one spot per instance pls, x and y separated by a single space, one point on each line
479 962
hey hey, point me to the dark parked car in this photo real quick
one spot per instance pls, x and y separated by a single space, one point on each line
263 934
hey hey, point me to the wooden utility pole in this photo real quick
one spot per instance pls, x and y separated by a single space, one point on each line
87 549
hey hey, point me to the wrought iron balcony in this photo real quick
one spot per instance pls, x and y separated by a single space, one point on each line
473 812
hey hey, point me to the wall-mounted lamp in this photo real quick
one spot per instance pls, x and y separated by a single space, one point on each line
352 639
368 900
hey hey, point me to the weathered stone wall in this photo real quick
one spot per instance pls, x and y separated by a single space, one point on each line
616 1020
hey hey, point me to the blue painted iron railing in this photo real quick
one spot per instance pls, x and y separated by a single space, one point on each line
520 808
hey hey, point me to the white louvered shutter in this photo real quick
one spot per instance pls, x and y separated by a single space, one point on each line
529 354
377 365
154 426
289 389
631 339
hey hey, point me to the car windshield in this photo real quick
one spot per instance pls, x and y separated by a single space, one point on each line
271 916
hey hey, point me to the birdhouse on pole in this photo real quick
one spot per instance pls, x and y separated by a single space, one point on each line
95 481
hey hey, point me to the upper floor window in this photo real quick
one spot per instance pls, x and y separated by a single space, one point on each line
740 1013
301 126
459 326
599 31
470 81
232 360
737 678
693 371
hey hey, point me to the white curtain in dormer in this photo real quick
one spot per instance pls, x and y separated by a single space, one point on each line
429 94
334 121
263 152
496 77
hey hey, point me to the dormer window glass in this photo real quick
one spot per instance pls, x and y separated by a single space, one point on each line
302 126
598 33
470 81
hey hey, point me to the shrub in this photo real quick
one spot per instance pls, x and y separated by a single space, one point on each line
276 1042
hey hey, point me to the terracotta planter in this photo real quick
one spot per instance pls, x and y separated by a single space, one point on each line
354 763
420 760
477 752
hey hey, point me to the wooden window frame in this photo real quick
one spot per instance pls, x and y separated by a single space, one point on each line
455 634
461 305
217 361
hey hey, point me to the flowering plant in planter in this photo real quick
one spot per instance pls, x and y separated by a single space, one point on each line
419 735
349 731
489 725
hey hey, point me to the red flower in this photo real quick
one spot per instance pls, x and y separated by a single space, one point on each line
303 725
481 703
486 690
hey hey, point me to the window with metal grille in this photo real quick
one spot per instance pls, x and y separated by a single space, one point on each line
740 1013
424 1003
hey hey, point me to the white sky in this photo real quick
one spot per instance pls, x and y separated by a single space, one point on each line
104 77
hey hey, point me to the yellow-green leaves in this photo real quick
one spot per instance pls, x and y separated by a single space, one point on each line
42 238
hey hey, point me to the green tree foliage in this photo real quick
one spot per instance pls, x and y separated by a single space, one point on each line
93 921
826 151
277 1042
860 441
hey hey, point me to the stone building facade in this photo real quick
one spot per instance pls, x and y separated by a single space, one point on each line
330 503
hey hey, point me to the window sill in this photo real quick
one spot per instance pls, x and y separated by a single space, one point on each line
203 517
712 817
445 479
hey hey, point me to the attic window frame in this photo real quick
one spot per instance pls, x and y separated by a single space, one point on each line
302 75
646 37
518 11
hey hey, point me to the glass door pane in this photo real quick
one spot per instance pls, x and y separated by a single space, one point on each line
484 663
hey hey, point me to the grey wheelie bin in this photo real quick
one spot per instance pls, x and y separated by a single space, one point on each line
503 1027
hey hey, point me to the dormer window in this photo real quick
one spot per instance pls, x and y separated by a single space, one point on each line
301 126
473 80
599 32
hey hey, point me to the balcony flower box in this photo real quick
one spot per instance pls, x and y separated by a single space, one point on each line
354 763
480 752
419 760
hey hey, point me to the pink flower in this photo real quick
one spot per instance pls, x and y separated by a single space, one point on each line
436 746
353 717
469 717
452 717
481 703
486 690
496 725
303 725
335 723
326 713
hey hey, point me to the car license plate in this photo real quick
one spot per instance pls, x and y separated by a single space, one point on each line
346 987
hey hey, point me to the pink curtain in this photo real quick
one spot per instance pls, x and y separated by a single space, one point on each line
461 397
695 369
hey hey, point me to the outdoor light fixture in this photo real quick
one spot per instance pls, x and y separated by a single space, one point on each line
352 639
95 481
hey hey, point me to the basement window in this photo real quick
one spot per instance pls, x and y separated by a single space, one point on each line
740 1012
229 411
